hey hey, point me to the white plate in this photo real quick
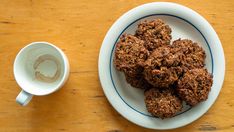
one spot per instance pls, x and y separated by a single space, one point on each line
185 23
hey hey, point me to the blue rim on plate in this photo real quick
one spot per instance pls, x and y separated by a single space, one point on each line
113 83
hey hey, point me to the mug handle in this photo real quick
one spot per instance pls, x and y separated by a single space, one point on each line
23 98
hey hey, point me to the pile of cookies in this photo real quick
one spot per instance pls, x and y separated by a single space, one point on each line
169 72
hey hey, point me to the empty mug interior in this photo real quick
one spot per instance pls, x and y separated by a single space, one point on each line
39 68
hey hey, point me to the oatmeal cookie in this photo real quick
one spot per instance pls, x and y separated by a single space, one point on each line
195 86
155 33
162 103
130 53
194 55
162 69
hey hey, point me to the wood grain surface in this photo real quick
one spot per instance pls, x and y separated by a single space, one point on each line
78 28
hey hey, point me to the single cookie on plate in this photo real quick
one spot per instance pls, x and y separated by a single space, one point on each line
194 86
162 69
194 55
130 54
155 33
162 103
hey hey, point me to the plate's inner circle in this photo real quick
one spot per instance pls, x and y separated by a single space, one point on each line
133 97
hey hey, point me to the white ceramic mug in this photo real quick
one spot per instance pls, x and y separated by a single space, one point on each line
40 68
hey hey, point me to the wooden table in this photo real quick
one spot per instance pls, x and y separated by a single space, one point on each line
78 28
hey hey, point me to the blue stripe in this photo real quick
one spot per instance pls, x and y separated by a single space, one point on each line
124 31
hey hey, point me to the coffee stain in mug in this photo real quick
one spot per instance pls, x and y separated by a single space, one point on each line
42 77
